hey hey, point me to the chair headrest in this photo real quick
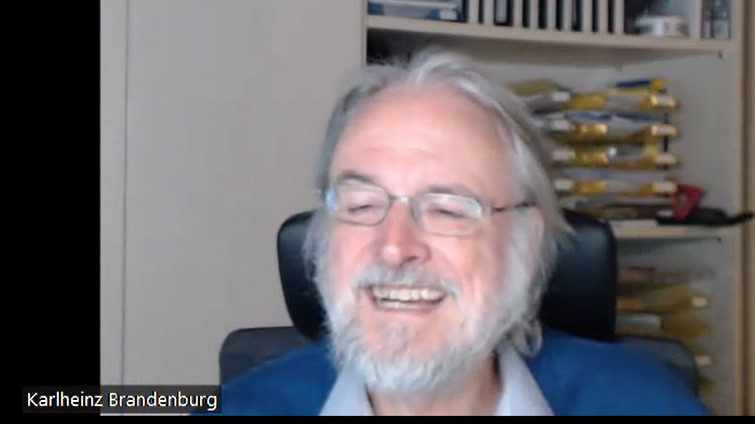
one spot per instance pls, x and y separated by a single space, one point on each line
580 298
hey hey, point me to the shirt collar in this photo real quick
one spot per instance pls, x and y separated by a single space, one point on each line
520 393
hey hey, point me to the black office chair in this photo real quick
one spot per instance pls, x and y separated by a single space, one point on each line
580 299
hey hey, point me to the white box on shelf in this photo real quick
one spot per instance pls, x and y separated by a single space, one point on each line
447 10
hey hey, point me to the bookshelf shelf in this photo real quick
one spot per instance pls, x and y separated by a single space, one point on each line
606 47
671 232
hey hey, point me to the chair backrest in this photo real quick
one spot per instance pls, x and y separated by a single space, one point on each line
580 298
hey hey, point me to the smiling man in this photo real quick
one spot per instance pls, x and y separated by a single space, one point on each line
436 235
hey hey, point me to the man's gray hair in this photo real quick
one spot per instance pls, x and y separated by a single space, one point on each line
436 66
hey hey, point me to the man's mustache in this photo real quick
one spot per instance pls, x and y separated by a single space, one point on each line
385 275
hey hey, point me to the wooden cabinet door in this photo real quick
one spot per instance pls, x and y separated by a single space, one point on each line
226 106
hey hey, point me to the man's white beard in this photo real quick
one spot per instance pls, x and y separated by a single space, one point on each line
394 366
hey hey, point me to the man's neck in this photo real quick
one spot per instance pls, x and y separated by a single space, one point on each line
477 393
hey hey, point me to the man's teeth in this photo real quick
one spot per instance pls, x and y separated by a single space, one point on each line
407 294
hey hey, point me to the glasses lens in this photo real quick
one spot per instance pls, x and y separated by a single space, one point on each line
359 204
449 214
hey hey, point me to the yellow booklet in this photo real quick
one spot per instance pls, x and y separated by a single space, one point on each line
624 101
599 132
676 298
571 187
618 156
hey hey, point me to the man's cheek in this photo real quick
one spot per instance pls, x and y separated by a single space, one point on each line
344 254
337 268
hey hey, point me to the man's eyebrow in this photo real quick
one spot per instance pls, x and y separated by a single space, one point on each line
351 175
457 189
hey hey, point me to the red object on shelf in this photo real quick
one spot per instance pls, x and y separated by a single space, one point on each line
686 198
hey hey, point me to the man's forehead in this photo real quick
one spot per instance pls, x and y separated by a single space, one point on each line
425 140
436 109
435 96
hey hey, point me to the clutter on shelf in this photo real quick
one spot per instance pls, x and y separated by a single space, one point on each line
613 158
646 18
659 303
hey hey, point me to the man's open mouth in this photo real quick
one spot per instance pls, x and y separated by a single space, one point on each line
405 297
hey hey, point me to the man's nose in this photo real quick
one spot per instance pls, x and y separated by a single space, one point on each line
401 240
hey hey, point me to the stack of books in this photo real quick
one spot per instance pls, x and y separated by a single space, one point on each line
659 303
612 157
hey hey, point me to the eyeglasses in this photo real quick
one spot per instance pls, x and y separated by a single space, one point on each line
436 213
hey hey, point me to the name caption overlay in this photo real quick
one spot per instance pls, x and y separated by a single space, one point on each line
131 399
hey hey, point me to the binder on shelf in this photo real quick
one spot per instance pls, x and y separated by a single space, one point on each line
567 16
652 277
618 17
601 15
586 24
624 188
541 95
715 19
635 304
626 217
646 322
652 85
605 126
517 13
627 156
622 211
595 181
603 133
551 17
678 298
534 86
720 13
534 14
628 176
624 101
545 102
684 327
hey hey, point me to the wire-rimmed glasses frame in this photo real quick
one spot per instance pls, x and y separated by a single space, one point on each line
439 213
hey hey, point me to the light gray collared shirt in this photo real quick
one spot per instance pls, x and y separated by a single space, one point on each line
520 394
